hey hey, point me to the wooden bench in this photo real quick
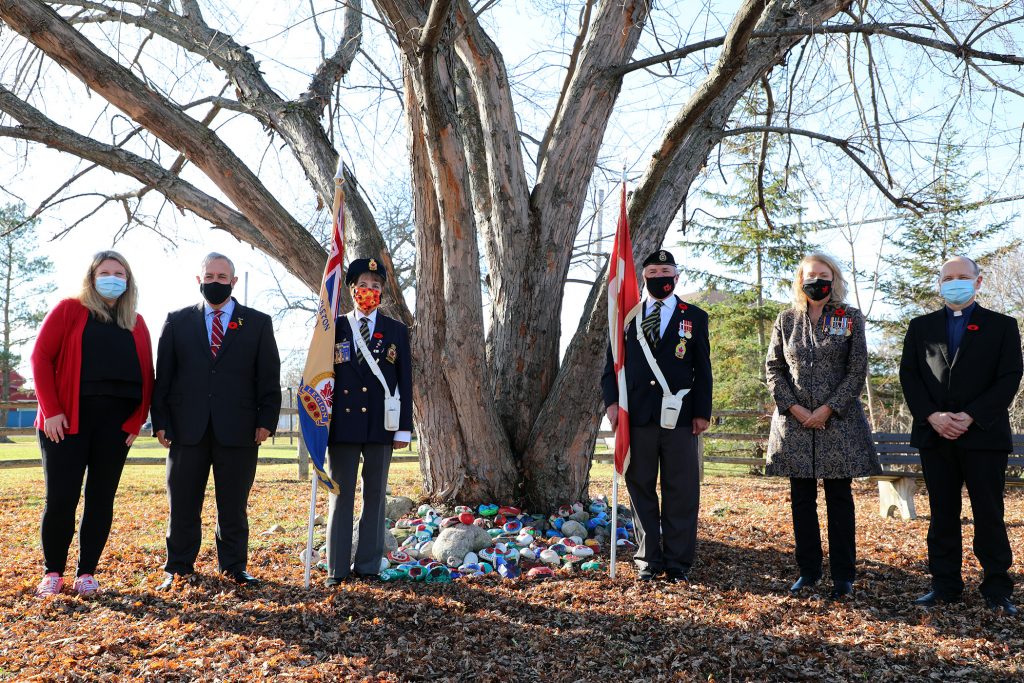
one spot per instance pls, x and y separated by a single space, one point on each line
901 471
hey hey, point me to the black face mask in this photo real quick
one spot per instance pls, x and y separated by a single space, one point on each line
215 292
661 287
817 289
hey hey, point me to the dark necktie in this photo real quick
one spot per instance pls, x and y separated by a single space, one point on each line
216 334
364 331
651 324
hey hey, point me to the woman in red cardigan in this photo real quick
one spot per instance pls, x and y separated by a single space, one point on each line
93 371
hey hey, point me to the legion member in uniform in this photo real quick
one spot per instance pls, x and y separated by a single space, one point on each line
359 424
677 335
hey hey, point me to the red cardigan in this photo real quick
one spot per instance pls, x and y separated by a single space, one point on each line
57 365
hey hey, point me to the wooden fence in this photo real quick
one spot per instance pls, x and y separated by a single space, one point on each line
294 437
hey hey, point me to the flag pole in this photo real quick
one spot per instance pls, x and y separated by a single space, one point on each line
309 530
615 475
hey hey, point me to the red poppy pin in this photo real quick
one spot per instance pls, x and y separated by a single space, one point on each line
378 335
840 311
972 328
682 307
232 325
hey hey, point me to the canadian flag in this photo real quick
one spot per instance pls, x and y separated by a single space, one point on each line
623 306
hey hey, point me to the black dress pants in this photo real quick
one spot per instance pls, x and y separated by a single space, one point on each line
946 469
667 536
343 459
96 454
842 540
188 470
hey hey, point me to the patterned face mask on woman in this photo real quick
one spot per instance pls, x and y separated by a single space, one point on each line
817 289
366 299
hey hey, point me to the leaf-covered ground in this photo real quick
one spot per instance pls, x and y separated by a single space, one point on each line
734 622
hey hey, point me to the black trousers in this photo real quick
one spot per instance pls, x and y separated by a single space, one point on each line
842 539
96 454
946 469
667 536
343 460
188 470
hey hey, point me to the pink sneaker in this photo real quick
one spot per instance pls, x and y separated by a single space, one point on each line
52 584
86 585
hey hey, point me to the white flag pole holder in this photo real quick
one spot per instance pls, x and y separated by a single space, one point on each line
308 555
615 514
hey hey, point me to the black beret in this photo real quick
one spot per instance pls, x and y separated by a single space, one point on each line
660 258
365 265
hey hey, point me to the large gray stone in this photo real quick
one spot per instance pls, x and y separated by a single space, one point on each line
396 507
573 528
458 541
390 542
582 517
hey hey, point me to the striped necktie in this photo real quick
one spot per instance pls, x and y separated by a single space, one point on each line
216 334
364 331
651 324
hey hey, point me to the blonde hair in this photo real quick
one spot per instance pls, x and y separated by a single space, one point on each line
838 294
124 313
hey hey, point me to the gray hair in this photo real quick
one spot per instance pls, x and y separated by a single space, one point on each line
214 256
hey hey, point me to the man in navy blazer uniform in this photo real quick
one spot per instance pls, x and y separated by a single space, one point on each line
677 334
217 398
357 422
960 371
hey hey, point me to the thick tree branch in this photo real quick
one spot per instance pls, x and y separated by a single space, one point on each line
48 31
36 127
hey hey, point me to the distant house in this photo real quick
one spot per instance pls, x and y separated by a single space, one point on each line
23 418
707 297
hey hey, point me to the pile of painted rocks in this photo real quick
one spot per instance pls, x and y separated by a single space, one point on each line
491 540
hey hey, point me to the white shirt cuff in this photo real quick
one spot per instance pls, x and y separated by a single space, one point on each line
403 436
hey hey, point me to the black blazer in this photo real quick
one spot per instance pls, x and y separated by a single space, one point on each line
237 391
358 412
981 380
692 371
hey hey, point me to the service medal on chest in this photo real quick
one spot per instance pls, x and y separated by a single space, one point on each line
681 349
685 330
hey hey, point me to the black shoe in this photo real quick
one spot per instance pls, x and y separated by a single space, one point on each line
803 582
242 577
646 574
1001 604
677 577
841 589
369 578
333 581
170 579
935 598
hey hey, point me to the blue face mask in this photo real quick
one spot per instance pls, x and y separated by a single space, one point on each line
957 292
110 286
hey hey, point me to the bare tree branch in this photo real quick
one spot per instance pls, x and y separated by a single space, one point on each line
846 146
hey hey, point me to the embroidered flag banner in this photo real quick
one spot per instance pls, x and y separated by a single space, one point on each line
316 390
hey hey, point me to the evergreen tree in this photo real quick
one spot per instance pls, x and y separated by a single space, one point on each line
758 242
923 243
24 280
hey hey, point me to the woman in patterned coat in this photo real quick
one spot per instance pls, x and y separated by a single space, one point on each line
816 369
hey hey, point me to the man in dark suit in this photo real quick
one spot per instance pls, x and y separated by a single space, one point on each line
677 333
217 398
358 424
960 370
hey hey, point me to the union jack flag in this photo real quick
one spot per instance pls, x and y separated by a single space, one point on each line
623 306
